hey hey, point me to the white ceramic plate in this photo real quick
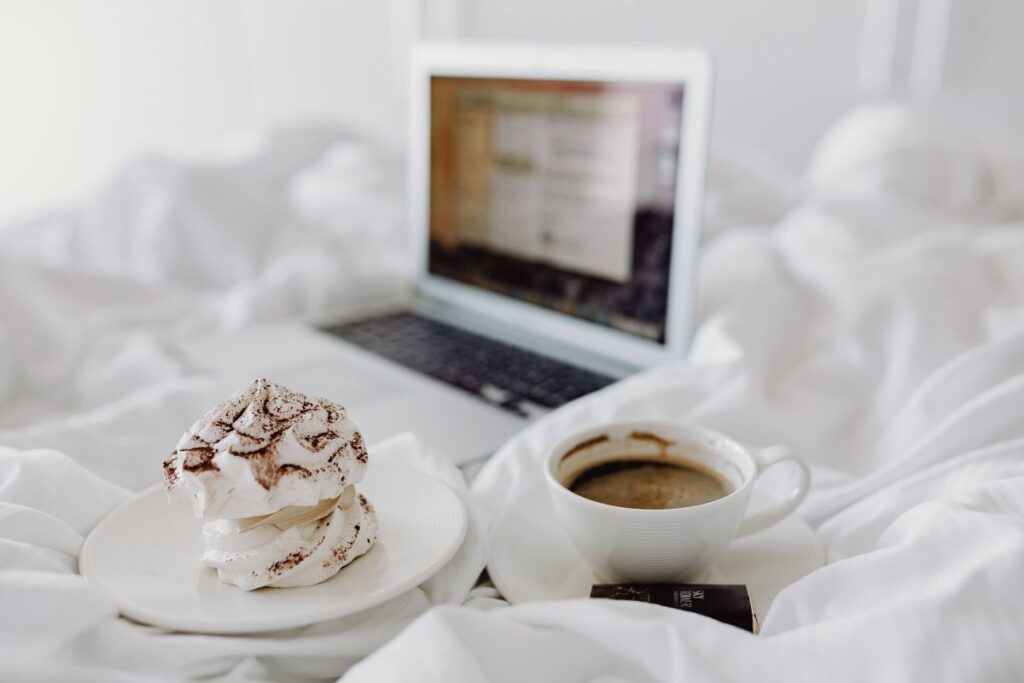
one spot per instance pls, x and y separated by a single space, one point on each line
532 559
145 555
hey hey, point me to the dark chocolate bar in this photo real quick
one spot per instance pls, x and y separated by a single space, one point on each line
728 604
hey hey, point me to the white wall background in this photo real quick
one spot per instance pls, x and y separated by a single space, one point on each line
785 69
984 75
85 84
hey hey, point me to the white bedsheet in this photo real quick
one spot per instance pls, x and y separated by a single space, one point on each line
877 328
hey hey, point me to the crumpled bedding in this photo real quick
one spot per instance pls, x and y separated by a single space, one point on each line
878 330
97 301
869 316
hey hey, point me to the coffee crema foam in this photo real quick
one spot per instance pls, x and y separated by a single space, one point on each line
650 484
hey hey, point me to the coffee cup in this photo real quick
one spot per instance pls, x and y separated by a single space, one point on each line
674 544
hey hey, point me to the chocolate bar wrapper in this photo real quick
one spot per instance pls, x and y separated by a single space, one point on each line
728 604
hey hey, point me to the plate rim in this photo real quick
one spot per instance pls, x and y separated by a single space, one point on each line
234 626
516 509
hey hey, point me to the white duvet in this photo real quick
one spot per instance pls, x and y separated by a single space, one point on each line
872 319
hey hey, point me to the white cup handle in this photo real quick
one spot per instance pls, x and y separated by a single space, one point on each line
770 457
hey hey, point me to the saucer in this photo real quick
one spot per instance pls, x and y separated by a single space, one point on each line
531 558
145 556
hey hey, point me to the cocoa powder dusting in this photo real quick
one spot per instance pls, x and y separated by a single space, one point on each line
290 561
198 459
316 442
171 471
260 424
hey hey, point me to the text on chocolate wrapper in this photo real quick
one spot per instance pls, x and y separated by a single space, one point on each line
685 598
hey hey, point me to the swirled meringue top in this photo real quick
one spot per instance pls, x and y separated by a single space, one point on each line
263 449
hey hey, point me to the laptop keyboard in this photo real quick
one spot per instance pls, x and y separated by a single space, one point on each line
501 374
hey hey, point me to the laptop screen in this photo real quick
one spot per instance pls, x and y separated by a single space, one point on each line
557 193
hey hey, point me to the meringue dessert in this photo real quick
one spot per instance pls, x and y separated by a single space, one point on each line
273 474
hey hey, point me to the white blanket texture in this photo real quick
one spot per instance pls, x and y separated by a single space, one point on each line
870 316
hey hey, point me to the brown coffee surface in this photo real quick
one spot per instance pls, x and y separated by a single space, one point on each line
649 485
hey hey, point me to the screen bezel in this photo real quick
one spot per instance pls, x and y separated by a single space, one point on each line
688 67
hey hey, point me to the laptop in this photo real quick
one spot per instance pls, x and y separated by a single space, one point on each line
555 200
